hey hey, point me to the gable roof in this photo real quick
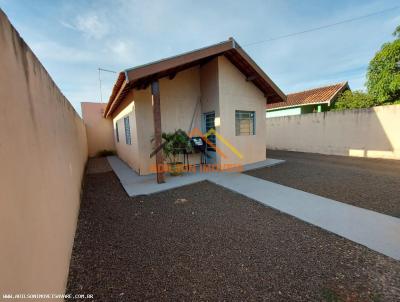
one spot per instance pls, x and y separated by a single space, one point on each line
321 95
142 76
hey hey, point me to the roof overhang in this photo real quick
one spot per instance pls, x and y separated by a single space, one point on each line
141 76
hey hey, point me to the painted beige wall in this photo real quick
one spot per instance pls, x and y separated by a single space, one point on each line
129 153
370 132
215 86
99 131
235 93
209 85
179 99
43 152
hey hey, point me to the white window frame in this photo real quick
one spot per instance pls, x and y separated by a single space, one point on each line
128 138
242 116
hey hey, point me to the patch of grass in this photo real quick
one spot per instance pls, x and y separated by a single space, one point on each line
376 297
330 295
104 153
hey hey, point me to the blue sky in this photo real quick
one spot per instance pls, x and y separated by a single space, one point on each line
73 38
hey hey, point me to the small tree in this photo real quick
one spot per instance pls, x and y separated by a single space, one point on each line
353 100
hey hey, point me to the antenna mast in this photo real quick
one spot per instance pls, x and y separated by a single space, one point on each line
105 70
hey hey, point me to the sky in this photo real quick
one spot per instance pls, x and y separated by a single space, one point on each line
73 39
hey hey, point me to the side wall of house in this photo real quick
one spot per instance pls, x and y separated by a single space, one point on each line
180 109
43 151
99 130
128 109
235 93
372 132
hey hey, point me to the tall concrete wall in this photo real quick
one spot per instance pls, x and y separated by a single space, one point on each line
99 130
43 151
373 132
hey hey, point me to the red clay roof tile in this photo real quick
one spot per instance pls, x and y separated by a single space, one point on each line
312 96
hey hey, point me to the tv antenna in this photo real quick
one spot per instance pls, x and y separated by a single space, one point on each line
104 70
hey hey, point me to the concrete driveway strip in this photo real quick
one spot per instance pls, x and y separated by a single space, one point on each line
376 231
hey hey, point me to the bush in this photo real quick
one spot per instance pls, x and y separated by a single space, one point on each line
354 100
104 153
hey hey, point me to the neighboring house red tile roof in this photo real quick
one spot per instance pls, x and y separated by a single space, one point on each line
320 95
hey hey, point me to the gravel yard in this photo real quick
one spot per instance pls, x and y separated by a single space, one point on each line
367 183
202 242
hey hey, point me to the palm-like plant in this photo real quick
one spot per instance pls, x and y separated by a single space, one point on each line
174 144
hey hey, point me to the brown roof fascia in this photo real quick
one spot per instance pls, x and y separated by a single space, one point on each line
137 73
134 76
121 81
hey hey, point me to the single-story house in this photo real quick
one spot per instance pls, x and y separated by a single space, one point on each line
217 87
313 100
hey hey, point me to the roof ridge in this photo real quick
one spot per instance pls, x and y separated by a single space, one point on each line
319 87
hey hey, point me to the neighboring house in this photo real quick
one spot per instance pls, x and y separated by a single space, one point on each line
218 87
308 101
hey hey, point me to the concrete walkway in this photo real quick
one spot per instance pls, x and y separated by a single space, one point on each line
136 185
376 231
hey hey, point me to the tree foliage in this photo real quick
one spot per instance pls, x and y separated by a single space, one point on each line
353 100
383 80
383 77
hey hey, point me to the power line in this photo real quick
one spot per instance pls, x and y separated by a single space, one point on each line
322 27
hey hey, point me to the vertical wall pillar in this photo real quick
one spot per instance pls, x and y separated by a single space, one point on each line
155 92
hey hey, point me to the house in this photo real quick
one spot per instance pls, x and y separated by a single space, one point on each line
217 87
308 101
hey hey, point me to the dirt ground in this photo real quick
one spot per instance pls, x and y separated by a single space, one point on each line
373 184
204 243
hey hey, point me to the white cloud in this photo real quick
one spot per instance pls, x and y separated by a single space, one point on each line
90 25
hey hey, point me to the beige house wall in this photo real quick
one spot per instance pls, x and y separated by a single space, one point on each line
180 104
235 93
209 85
99 130
43 152
372 132
128 153
215 86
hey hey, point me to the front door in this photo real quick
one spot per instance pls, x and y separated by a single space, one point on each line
208 124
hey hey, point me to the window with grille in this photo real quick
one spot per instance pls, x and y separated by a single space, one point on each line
127 130
116 132
245 122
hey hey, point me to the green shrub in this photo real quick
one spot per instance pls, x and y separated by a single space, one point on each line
353 100
104 153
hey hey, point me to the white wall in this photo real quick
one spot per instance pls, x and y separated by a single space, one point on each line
373 132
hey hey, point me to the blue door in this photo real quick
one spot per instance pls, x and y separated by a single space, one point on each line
208 124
